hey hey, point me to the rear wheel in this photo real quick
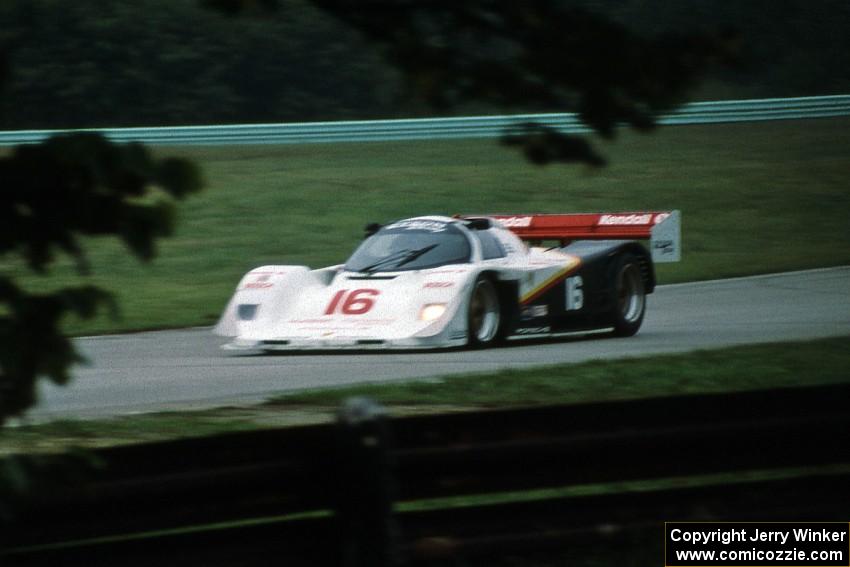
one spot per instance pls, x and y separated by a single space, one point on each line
484 315
629 295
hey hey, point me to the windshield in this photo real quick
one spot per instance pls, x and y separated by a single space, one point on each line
410 245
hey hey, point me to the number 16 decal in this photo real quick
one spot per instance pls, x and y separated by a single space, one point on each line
358 302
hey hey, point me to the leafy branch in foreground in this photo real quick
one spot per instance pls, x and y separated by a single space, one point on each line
54 193
541 54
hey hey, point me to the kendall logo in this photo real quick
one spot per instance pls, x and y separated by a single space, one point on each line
623 220
516 222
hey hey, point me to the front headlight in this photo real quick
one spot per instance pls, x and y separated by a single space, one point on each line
432 311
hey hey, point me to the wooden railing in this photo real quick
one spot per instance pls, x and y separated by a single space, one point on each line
360 492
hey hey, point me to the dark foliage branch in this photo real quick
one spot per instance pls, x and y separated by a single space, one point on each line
51 195
82 184
239 7
537 53
30 344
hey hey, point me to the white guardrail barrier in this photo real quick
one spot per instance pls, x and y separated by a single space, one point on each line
444 128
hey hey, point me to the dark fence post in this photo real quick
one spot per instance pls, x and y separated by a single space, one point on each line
366 486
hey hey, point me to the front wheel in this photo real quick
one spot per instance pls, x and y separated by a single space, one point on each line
484 315
629 296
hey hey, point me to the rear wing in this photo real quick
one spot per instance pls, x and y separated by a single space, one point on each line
662 229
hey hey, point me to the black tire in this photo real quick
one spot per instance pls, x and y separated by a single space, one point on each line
484 314
629 295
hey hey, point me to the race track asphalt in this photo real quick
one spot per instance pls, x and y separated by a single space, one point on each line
187 369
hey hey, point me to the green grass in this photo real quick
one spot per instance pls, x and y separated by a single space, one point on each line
724 370
756 198
68 433
740 368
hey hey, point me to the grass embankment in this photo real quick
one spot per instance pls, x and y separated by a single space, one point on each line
756 198
708 371
740 368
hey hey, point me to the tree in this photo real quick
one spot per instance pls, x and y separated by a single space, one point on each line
552 55
52 194
545 54
181 64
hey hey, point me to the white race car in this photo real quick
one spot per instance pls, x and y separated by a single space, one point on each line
438 282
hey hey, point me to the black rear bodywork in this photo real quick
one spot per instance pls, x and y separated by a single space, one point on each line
594 299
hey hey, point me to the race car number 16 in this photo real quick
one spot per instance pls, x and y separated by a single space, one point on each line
357 302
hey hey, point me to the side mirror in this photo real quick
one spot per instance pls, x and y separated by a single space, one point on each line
371 229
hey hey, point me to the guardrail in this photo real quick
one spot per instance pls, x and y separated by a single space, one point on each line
329 494
445 128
